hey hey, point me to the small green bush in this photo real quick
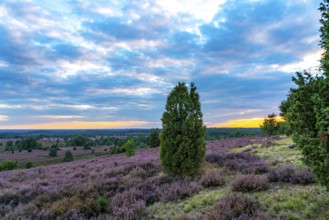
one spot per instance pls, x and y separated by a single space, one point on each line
129 148
53 152
68 156
28 165
102 203
8 165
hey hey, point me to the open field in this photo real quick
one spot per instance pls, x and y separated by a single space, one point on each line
41 157
117 187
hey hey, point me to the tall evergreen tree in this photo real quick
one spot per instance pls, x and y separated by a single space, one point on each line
182 145
306 109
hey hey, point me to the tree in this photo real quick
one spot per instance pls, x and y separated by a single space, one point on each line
79 140
182 145
53 151
129 147
27 143
9 143
68 156
270 125
154 140
306 109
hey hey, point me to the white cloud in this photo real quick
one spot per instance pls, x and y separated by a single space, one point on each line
3 11
310 62
9 106
133 91
61 116
4 118
199 9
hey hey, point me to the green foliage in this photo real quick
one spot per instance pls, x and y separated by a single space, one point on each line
8 165
154 138
52 152
129 147
28 143
28 165
68 156
182 145
306 109
324 6
80 140
271 126
116 150
9 143
307 113
102 203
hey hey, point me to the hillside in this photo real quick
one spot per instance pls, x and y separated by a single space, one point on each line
117 187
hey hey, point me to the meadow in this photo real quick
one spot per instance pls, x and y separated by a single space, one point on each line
241 178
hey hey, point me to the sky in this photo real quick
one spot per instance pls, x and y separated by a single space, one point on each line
86 64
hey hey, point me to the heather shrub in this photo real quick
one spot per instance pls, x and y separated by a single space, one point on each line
234 206
8 165
289 175
243 162
129 205
213 178
303 176
250 183
177 190
68 156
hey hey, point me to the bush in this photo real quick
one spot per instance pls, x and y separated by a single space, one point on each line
28 165
212 178
8 165
52 152
250 183
129 205
68 156
235 206
177 190
244 162
289 175
86 147
129 148
303 176
182 145
102 203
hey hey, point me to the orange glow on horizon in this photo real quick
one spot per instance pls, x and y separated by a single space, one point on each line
244 123
82 125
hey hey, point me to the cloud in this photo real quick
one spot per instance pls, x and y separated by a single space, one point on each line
61 116
83 125
118 60
4 118
3 106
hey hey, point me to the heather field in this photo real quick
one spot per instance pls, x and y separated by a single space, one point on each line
241 178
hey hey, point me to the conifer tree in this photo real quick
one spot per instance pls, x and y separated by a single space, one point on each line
182 145
306 109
